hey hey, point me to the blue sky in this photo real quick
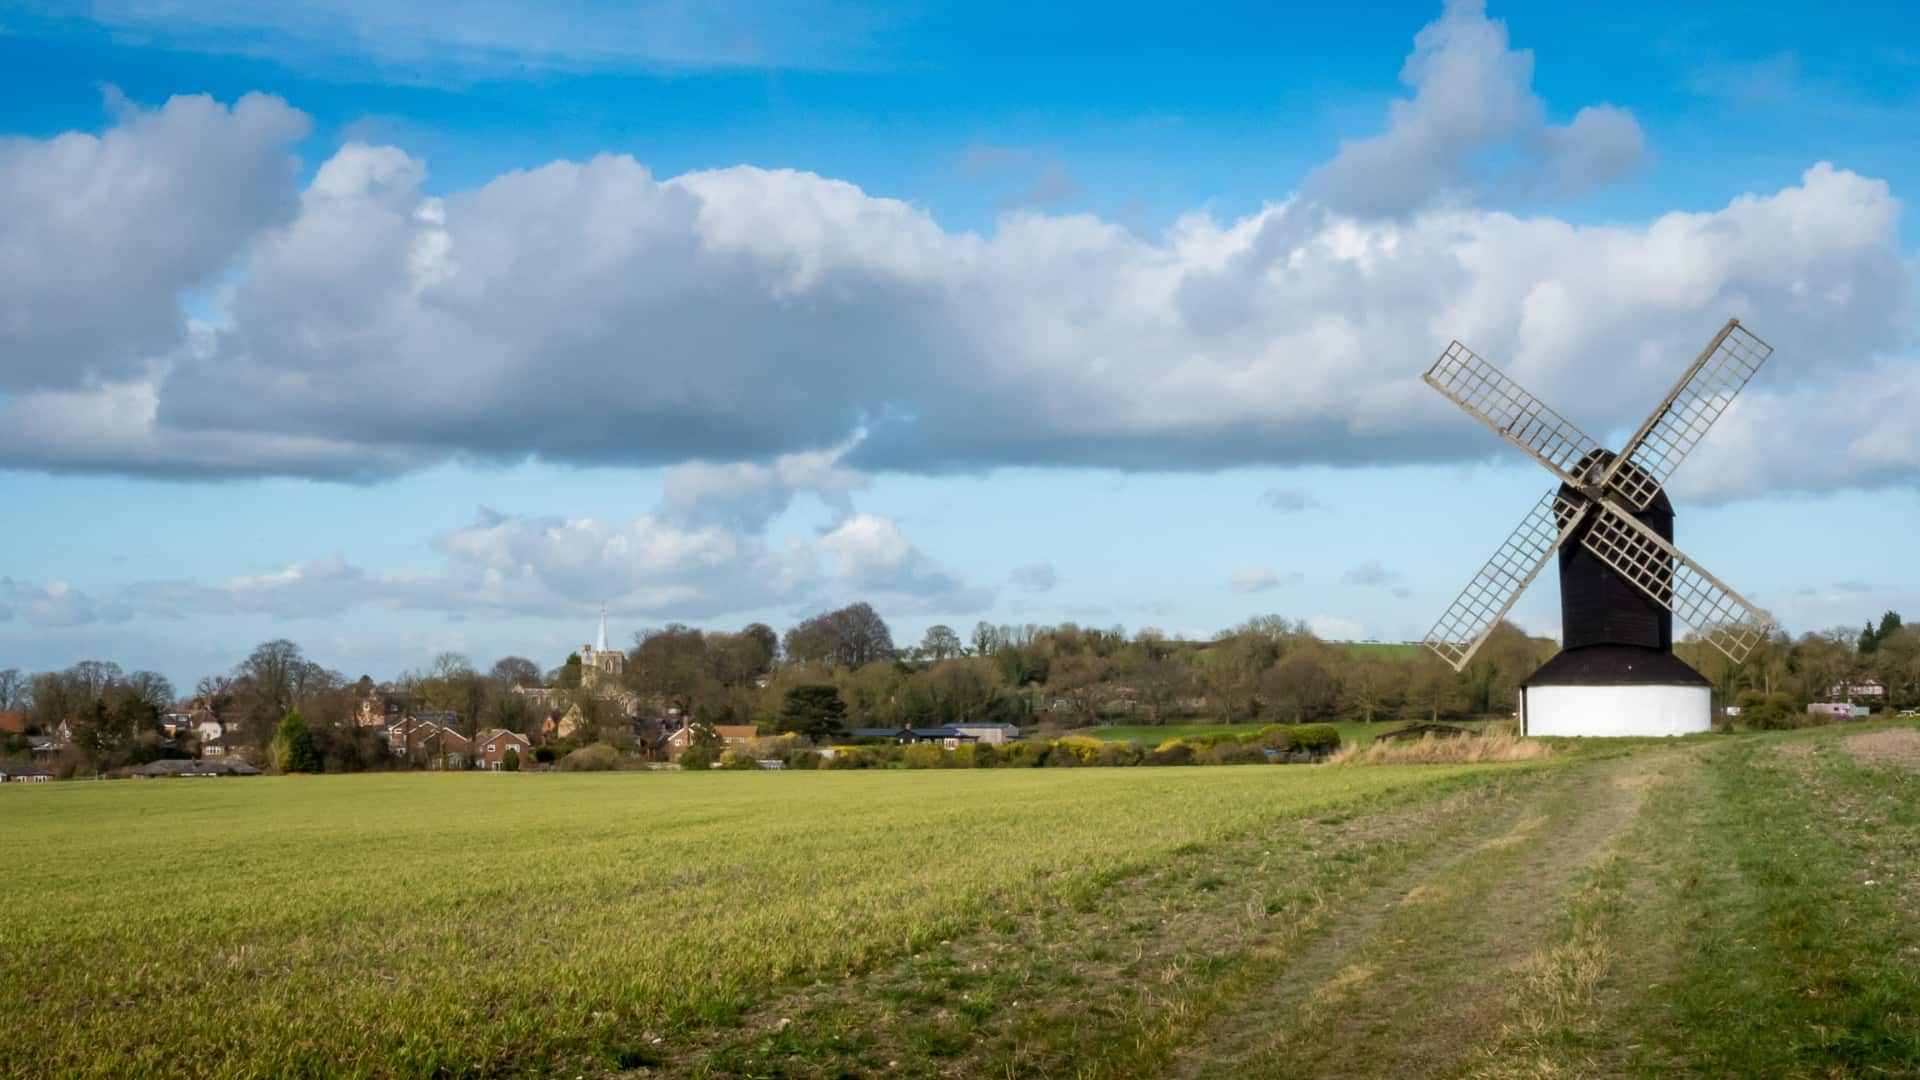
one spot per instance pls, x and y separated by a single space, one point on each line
1100 314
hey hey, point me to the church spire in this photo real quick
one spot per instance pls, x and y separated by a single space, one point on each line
600 643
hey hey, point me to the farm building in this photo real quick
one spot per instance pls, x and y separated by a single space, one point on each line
189 767
13 773
993 734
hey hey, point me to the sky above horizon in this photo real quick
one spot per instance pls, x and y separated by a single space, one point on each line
396 329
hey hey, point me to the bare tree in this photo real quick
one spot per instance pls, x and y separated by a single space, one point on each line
511 671
14 686
151 689
940 643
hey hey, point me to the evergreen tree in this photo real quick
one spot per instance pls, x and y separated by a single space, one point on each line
814 710
294 749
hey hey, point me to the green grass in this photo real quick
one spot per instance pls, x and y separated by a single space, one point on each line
421 925
1712 906
1386 650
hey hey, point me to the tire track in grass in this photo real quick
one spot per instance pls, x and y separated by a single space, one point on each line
1423 977
1110 984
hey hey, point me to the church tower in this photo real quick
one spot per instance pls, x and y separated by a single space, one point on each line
597 662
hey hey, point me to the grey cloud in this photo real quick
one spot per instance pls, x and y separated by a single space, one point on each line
99 235
1035 577
1371 574
1258 581
746 496
591 313
504 564
1052 189
1473 98
1290 500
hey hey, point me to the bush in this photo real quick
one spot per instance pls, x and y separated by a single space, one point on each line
511 761
985 756
1276 736
1023 755
1769 712
596 758
737 760
1082 748
1235 753
1313 738
924 755
1117 754
1172 752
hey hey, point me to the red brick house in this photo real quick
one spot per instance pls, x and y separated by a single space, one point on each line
429 741
490 748
679 739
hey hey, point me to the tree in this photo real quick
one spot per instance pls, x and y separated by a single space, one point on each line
1432 688
567 675
270 672
1301 684
941 643
293 747
814 710
94 676
1373 685
985 638
150 688
672 663
512 671
13 690
850 637
703 748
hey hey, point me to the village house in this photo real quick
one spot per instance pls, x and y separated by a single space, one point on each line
13 722
492 748
1864 687
379 708
430 739
679 737
15 773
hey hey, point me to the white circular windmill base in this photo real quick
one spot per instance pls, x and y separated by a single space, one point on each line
1617 710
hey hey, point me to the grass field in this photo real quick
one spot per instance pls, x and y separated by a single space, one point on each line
426 924
1734 905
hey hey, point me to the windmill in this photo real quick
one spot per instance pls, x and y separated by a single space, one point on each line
1621 579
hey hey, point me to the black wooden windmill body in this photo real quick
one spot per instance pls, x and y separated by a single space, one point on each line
1622 581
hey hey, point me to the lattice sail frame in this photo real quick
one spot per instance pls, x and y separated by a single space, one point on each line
1721 616
1515 563
1495 400
1683 417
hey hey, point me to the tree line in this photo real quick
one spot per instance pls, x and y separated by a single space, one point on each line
1266 670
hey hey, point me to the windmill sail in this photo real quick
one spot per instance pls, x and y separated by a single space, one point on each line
1637 553
1683 417
1492 592
1514 414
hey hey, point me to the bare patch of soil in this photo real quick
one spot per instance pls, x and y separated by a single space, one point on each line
1899 747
